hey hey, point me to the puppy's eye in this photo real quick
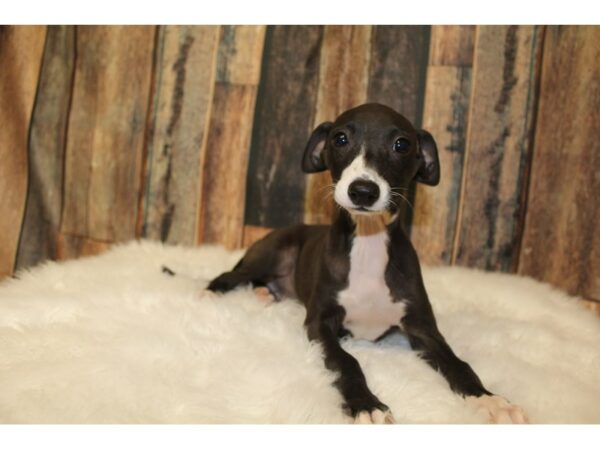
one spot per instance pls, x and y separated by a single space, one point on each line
401 145
340 140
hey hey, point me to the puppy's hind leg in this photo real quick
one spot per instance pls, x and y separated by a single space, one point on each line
257 267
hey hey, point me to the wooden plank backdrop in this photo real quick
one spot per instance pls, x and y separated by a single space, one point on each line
194 134
21 50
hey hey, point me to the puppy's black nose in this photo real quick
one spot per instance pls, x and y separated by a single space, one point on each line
363 192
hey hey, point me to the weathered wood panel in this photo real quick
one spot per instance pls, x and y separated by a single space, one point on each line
70 247
343 83
284 120
498 146
398 67
452 45
183 87
18 82
445 116
561 240
47 140
221 213
106 131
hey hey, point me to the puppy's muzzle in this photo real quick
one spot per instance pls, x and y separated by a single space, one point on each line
363 193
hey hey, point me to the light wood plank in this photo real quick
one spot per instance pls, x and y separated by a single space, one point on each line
106 131
343 83
72 247
561 240
183 88
225 163
21 51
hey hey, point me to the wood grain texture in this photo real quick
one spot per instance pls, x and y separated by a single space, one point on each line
18 83
445 116
398 67
183 87
498 147
240 51
47 140
284 120
452 45
106 131
221 214
71 247
343 84
561 240
224 182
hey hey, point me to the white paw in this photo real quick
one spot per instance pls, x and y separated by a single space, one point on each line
497 409
376 416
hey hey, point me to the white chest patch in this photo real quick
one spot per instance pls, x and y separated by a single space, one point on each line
370 311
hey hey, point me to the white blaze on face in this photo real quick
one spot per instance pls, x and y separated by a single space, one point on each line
359 170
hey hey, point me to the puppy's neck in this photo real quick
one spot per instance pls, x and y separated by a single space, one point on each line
367 225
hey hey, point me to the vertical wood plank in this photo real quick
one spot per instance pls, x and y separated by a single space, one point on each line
106 131
445 116
183 83
46 148
343 83
561 239
21 50
71 247
284 120
221 214
498 141
397 78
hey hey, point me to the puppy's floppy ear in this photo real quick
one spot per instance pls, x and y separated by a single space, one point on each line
429 172
313 161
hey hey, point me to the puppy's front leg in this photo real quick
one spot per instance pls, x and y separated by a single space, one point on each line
359 401
425 337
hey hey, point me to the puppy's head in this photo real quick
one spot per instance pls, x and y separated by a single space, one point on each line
373 154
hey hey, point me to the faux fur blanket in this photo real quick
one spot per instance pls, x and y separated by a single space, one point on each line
113 339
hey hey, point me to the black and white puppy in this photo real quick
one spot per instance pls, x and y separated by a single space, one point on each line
360 276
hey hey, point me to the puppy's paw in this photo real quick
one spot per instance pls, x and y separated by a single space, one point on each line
264 295
205 294
497 409
376 416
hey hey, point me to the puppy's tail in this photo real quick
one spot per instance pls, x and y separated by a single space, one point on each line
168 271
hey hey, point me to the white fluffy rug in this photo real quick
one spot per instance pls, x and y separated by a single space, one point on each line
112 339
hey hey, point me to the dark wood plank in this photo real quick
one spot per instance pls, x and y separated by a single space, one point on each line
225 166
183 85
498 146
284 120
398 67
445 116
21 50
106 131
47 140
343 83
561 240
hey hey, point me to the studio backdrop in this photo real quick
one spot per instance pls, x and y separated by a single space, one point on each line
194 134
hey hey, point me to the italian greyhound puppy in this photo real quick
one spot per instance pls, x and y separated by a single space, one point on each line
360 276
